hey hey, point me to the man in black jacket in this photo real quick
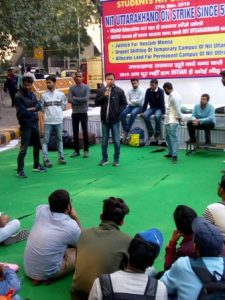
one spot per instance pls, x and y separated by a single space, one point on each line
155 98
27 108
11 85
112 101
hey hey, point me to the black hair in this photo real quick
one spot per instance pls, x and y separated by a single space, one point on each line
27 79
114 209
141 253
168 85
206 96
222 182
110 74
154 80
183 218
79 72
51 78
134 79
28 69
222 73
59 201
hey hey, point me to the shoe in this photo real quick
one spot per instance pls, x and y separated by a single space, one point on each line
61 161
86 154
40 169
103 162
191 141
174 159
75 154
47 163
168 156
20 236
207 144
116 163
39 282
150 140
21 174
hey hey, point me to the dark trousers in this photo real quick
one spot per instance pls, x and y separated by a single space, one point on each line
207 126
76 119
12 96
28 133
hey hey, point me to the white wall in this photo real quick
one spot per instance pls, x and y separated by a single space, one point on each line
190 89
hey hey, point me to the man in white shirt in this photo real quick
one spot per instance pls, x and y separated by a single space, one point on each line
172 120
56 227
28 73
53 103
143 250
135 99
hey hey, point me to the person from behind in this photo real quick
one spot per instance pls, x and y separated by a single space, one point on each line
28 73
172 121
135 99
11 85
10 284
79 97
183 218
154 97
215 212
112 100
100 250
181 280
27 108
53 103
203 117
50 250
133 282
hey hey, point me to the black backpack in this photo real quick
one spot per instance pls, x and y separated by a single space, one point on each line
212 288
108 294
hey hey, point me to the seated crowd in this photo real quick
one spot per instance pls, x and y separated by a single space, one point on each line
109 264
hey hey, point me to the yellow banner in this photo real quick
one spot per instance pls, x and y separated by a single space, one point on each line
39 53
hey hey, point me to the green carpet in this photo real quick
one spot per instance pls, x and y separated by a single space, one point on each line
150 184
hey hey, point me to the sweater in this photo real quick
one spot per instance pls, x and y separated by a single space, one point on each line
155 99
78 97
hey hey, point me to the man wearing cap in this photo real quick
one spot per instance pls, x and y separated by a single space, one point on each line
181 280
133 281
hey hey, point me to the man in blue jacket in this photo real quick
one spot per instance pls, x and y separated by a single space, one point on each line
27 107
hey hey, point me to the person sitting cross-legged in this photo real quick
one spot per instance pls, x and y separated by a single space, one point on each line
50 251
203 117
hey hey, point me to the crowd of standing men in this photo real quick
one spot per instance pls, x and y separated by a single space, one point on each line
115 107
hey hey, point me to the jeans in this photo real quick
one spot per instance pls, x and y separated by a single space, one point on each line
76 119
115 130
207 126
47 133
158 118
171 131
133 111
9 229
26 134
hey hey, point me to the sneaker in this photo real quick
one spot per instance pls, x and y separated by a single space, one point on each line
86 154
116 163
174 159
20 236
168 156
103 162
75 154
21 174
61 161
150 140
47 163
40 169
